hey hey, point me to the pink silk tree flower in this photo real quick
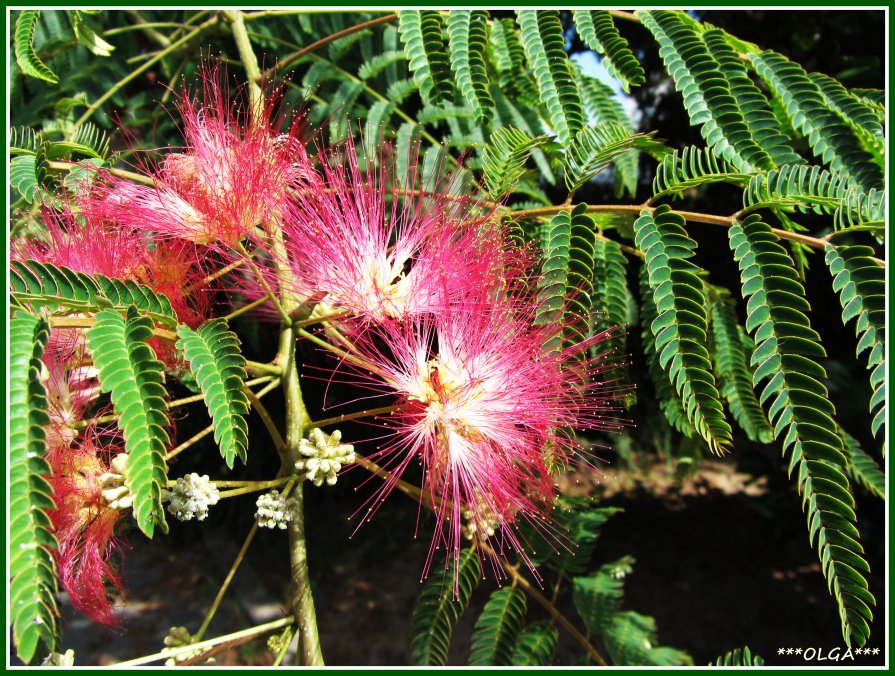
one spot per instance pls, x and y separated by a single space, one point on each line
84 526
83 244
383 246
482 406
233 173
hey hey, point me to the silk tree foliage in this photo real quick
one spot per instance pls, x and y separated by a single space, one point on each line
798 156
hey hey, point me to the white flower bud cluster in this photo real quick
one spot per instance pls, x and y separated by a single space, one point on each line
178 637
191 497
324 456
274 510
116 491
66 659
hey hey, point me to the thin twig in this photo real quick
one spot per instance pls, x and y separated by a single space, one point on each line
286 62
354 416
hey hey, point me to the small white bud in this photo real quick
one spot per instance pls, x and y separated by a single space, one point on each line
274 510
191 497
323 456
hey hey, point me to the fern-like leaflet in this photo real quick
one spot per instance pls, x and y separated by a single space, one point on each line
32 605
801 413
440 603
544 44
600 34
216 361
129 370
861 284
497 627
680 329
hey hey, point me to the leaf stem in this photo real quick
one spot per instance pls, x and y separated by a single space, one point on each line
295 56
239 636
354 416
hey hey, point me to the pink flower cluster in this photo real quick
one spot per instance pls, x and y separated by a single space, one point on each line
418 282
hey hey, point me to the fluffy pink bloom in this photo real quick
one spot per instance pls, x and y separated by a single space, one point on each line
82 522
84 527
233 173
88 245
384 246
481 406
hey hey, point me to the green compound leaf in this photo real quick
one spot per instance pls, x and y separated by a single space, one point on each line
437 609
26 57
631 641
504 159
24 140
599 33
536 645
861 284
468 41
692 167
802 415
129 370
28 173
32 572
509 60
732 350
566 282
497 628
63 290
863 468
595 148
756 109
740 657
707 94
609 297
831 139
544 44
601 104
219 367
681 327
577 523
856 113
669 401
422 35
598 597
815 189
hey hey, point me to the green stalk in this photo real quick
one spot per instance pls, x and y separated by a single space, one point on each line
301 599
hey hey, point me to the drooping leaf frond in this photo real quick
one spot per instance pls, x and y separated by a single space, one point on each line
63 290
861 284
802 414
544 44
739 657
706 91
129 370
26 57
437 610
609 297
32 572
732 352
566 282
504 159
535 645
598 32
216 361
422 34
756 109
862 468
831 139
467 41
496 629
595 148
680 329
669 401
692 167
